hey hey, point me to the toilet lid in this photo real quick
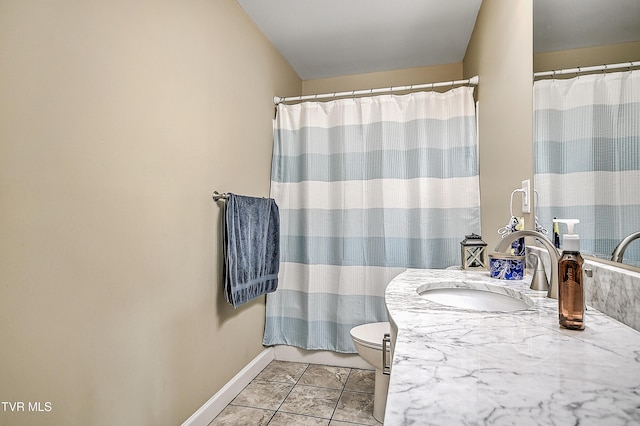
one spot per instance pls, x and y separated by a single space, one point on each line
371 334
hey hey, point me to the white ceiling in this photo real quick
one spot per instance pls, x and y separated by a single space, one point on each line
329 38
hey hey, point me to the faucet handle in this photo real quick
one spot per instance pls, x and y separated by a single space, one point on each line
539 281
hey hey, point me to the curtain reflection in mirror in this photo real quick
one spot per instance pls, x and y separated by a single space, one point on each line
587 157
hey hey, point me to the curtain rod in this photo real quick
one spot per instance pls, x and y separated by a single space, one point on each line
580 70
470 81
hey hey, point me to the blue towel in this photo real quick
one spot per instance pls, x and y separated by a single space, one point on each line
251 248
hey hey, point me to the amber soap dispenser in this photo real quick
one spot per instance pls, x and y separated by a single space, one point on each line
570 288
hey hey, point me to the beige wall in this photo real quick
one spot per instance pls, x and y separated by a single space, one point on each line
403 77
117 121
501 53
590 56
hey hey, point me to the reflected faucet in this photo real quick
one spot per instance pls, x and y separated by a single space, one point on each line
553 254
622 246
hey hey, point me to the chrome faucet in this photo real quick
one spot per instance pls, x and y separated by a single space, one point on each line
553 254
622 246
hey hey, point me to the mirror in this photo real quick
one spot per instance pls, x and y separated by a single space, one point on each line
581 33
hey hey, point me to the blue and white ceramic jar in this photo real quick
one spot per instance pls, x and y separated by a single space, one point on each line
505 266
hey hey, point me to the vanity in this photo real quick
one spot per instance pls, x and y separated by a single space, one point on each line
456 365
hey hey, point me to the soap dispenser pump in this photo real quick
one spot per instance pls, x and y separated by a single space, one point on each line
570 285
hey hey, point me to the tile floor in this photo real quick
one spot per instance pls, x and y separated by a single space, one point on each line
292 393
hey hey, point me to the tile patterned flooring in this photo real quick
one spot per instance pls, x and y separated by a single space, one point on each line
292 393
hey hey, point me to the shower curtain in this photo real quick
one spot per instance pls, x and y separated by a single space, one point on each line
366 187
587 157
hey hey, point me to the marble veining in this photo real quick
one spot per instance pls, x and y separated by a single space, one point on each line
615 293
455 366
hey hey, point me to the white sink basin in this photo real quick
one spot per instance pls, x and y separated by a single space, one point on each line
487 298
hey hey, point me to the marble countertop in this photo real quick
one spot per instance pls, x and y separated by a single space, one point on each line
455 366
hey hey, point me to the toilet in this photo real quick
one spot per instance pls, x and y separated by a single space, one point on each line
367 339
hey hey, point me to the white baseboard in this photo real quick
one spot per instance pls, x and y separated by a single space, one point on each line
205 414
293 354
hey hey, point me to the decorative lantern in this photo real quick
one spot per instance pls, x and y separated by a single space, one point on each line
474 252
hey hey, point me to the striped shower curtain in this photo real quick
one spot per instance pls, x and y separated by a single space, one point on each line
587 157
366 187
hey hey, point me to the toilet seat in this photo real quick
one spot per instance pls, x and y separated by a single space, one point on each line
371 335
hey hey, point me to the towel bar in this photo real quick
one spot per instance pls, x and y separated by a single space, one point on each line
218 196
